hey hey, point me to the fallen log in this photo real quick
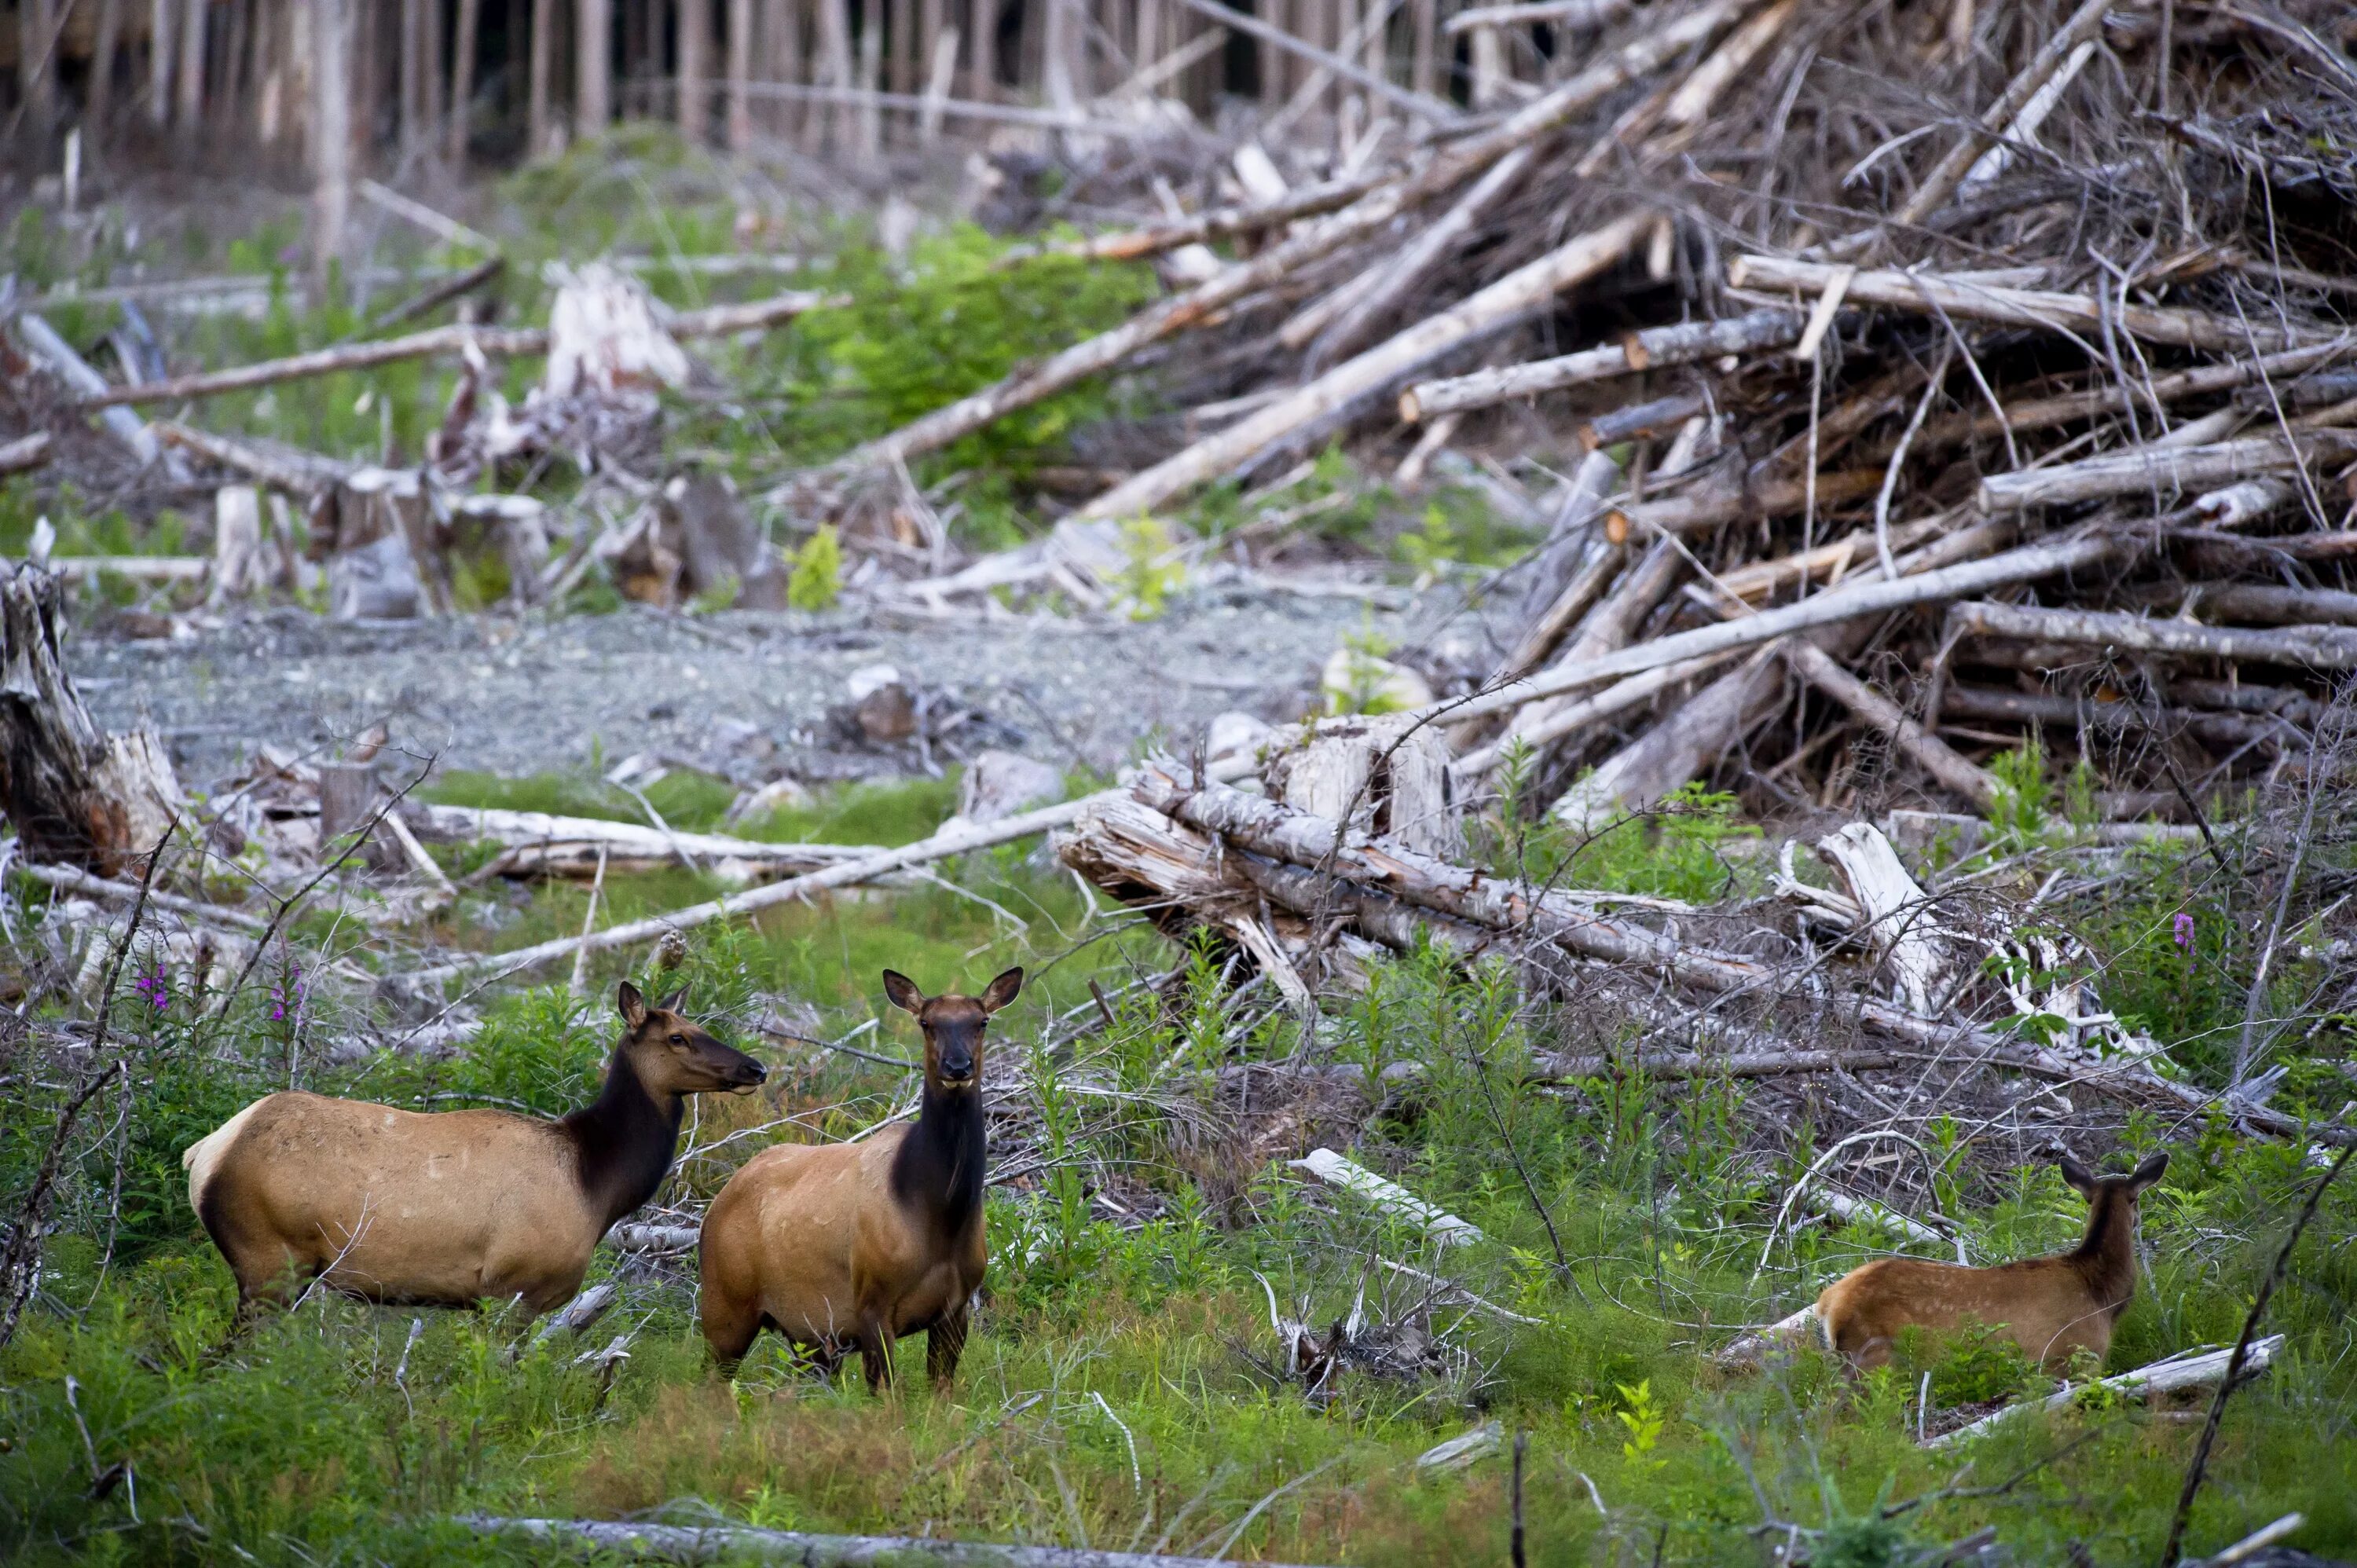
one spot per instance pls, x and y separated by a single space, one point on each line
493 342
1849 602
539 843
2113 397
1569 569
1445 172
1711 506
710 1544
960 840
1930 293
2165 471
70 879
2187 1369
1658 346
1508 299
1438 1224
1684 1065
2316 647
1641 420
25 452
2274 603
59 357
1682 746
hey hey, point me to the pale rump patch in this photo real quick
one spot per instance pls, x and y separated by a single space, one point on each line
202 1158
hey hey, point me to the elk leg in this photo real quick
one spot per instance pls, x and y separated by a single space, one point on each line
729 1327
876 1356
943 1343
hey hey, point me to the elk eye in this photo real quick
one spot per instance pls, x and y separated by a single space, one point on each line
679 1039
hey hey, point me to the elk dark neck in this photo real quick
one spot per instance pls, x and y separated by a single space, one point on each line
938 1170
2106 1256
624 1140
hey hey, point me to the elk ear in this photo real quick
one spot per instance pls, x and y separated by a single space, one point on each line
902 990
675 1002
1002 990
2078 1175
2149 1172
630 1004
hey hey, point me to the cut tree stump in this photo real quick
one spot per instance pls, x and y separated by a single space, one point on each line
1387 776
76 795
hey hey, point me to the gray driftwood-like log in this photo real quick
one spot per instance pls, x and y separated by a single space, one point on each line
1929 294
1710 506
1570 569
2164 470
1509 299
1638 420
76 795
707 1544
1682 746
1680 345
494 342
1218 223
2274 603
1707 1064
2316 647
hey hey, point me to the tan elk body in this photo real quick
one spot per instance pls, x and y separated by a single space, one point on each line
850 1246
2051 1307
447 1209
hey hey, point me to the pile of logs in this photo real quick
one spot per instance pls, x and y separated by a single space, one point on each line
1953 392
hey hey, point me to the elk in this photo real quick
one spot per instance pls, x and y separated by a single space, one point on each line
444 1209
850 1246
2052 1307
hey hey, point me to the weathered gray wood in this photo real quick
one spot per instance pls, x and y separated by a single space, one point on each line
1656 345
1506 300
2164 470
1569 569
706 1543
1682 746
25 452
2316 647
1929 294
2116 716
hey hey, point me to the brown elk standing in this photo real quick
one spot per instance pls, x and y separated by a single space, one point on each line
445 1210
846 1246
2051 1307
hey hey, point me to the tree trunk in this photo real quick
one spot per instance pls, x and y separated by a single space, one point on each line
462 78
835 45
537 123
695 71
75 795
593 101
189 115
740 76
781 32
331 136
161 14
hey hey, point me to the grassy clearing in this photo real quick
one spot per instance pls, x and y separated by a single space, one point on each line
304 1445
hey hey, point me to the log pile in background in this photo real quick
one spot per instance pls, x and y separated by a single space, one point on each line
1945 377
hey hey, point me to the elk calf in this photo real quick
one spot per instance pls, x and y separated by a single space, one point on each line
2051 1307
445 1210
845 1246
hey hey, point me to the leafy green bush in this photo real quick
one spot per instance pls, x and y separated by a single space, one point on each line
817 576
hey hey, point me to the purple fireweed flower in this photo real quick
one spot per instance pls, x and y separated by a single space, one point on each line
2183 932
155 987
286 996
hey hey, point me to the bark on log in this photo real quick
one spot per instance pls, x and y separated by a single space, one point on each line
1936 755
2316 647
59 357
707 1544
2271 603
1681 1065
495 342
2068 408
1765 579
1929 294
1659 346
76 796
1713 506
1506 300
67 879
1571 715
1445 172
1637 421
2165 471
